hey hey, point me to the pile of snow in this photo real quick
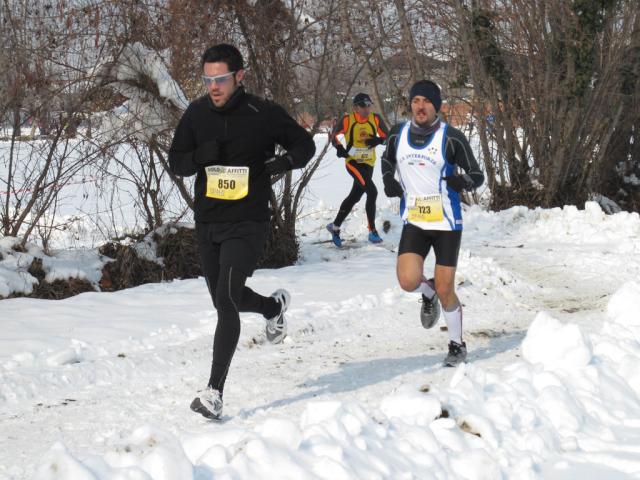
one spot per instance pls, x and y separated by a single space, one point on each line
572 401
588 226
60 265
71 263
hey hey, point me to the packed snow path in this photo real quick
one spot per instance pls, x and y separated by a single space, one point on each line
90 370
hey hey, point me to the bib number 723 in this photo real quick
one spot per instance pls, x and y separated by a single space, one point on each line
426 208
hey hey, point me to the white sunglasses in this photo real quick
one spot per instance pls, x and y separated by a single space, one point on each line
218 79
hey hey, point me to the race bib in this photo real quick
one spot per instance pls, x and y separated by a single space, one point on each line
361 154
426 209
227 183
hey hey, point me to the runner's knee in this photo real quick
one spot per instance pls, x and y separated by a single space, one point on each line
408 281
445 290
223 301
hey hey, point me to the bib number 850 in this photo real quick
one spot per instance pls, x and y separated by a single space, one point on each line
226 184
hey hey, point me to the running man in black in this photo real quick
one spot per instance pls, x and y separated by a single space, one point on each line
426 152
227 139
363 131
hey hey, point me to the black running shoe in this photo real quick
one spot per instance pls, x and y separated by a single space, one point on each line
457 354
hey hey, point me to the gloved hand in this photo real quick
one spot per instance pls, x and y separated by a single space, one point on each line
459 182
208 153
278 164
372 142
392 187
341 151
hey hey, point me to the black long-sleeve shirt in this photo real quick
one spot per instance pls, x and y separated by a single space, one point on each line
247 128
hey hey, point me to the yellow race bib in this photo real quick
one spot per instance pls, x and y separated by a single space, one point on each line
426 209
227 183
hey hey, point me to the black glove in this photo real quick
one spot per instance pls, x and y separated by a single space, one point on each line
373 142
208 153
459 182
341 151
392 187
279 164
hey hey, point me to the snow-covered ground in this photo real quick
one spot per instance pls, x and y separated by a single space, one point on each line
98 386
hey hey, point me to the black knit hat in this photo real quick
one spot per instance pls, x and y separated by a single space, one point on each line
362 100
428 90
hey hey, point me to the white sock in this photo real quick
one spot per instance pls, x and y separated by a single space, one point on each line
426 288
454 323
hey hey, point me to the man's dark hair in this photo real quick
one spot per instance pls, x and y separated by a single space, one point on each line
223 52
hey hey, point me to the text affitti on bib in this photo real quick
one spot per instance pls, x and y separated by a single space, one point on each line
227 183
426 208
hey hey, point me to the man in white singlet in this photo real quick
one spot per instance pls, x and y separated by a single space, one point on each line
427 154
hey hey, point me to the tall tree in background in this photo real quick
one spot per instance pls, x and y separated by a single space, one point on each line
551 89
548 77
48 85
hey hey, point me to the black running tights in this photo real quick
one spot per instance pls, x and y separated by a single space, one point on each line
231 296
362 183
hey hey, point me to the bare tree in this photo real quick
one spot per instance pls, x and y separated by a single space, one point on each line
547 83
46 76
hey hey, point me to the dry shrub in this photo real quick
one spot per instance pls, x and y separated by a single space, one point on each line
179 250
127 269
504 196
59 289
627 196
280 251
36 270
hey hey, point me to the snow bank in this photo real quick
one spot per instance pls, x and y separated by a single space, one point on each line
60 265
572 393
567 224
554 345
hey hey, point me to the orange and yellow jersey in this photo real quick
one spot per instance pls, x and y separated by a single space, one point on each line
356 130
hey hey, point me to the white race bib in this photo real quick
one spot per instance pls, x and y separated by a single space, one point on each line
361 154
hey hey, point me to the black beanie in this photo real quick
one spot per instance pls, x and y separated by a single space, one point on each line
428 90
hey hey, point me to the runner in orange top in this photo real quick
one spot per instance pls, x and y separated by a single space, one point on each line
363 131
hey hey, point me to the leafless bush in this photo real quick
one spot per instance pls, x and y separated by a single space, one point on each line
552 82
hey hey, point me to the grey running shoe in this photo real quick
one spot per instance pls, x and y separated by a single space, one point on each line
430 311
277 326
457 354
208 404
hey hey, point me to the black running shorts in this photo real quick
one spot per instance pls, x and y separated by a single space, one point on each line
239 245
445 243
